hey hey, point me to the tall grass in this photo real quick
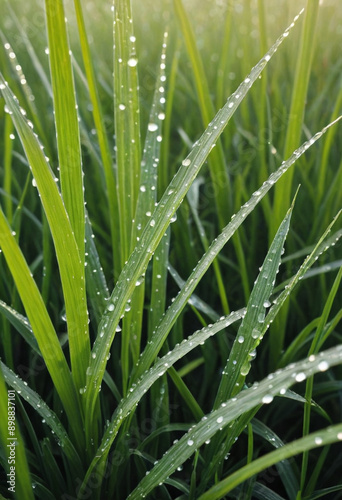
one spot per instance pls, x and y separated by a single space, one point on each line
134 334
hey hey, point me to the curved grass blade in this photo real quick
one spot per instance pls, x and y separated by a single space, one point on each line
137 391
259 393
177 306
50 418
21 324
69 260
160 220
22 483
42 326
320 438
283 467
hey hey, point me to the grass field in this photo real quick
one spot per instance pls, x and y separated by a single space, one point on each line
170 234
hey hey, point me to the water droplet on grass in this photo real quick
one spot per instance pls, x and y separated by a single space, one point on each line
268 398
323 366
186 162
190 442
300 377
132 62
152 127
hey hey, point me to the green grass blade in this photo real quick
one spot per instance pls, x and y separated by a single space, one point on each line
22 480
69 261
261 393
101 132
41 325
21 324
294 130
216 160
247 338
284 468
127 122
50 418
321 438
66 120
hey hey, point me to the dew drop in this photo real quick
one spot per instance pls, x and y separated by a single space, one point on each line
318 440
300 377
267 399
186 162
132 62
190 442
219 420
323 366
152 127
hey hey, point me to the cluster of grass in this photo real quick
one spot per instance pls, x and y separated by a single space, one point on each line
160 341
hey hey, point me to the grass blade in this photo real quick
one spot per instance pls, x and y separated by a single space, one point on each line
216 160
320 438
66 120
263 392
101 133
41 325
247 338
22 484
47 414
127 127
70 263
296 114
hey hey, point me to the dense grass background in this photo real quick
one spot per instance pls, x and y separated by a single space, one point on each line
208 53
